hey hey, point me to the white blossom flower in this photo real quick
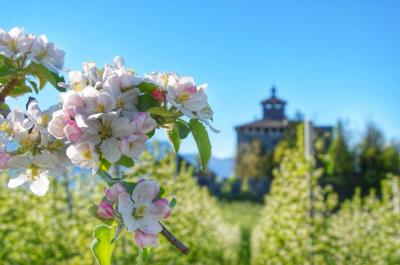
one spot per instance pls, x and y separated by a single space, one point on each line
14 44
96 101
107 129
46 53
33 170
84 155
139 211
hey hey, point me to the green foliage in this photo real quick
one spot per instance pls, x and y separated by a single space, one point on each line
174 138
200 136
293 224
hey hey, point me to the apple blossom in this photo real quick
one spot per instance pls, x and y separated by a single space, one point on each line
84 155
46 53
14 44
139 210
34 170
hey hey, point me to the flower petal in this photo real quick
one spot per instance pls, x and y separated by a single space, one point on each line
148 225
145 192
110 149
40 186
18 181
144 240
125 203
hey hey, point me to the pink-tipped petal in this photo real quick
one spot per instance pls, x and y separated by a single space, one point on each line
144 240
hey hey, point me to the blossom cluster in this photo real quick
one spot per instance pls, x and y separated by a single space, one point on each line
98 116
29 150
15 45
104 117
140 211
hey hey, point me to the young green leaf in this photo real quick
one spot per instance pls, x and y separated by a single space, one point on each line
102 247
146 101
200 136
172 203
159 111
173 136
126 161
146 87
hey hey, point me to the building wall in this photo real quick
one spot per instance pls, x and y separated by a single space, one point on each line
268 139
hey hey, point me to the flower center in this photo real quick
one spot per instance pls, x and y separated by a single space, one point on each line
41 54
139 212
5 127
105 131
53 146
77 86
87 155
43 120
183 97
120 102
100 108
34 172
13 46
164 79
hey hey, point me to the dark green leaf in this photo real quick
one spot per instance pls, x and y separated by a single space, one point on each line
34 86
102 247
151 133
126 161
183 128
146 101
41 72
129 186
146 254
20 89
200 136
173 136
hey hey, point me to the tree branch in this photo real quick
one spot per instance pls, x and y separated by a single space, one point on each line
174 241
6 88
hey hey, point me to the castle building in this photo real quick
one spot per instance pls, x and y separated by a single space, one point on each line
271 128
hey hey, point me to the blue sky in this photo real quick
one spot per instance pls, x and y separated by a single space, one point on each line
329 59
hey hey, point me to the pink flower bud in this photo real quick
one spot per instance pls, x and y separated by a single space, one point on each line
105 210
72 131
144 240
114 191
161 208
4 156
158 95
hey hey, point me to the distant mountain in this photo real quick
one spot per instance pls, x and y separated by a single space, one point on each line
223 168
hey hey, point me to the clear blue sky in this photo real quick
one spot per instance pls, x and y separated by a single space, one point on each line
329 59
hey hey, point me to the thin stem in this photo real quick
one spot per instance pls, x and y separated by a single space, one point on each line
174 241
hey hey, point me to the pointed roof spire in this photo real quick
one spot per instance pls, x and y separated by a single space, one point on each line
273 91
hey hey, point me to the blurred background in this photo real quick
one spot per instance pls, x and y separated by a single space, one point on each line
306 167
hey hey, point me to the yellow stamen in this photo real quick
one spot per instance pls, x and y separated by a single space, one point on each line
185 96
34 172
139 212
105 132
5 127
87 155
100 108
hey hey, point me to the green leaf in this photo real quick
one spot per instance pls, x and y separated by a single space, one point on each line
129 186
146 87
173 136
126 161
161 193
102 247
104 164
146 254
172 203
4 106
183 128
160 111
34 86
151 133
42 73
202 140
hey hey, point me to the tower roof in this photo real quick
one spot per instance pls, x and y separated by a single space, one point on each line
273 99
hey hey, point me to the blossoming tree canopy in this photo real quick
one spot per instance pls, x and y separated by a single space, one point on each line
104 118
